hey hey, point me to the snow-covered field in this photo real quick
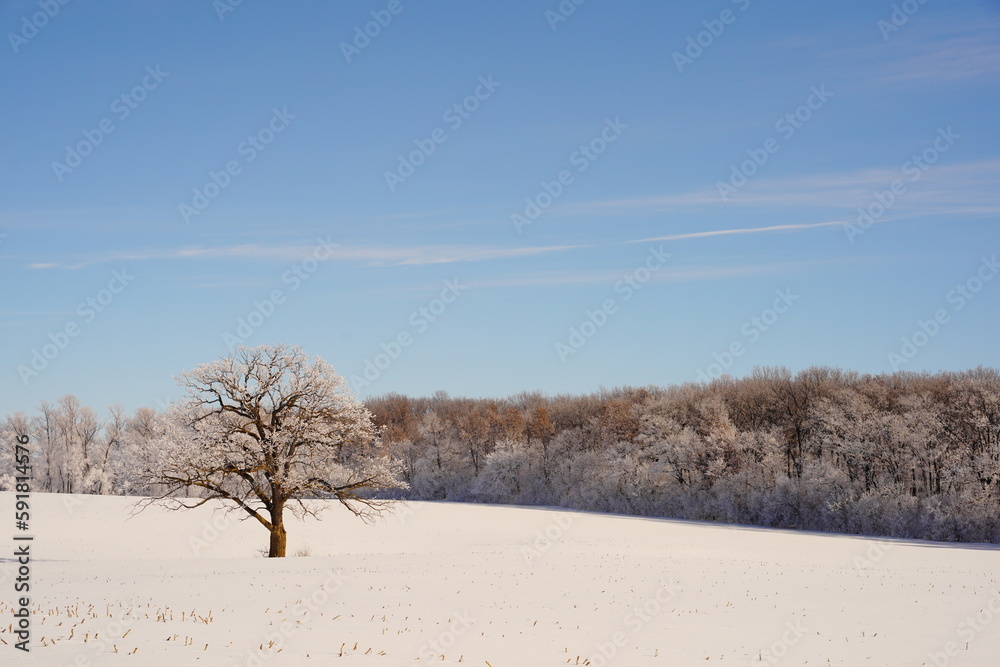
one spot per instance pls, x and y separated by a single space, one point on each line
487 585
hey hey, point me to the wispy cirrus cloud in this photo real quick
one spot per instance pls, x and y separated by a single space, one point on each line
963 189
689 273
369 255
442 254
966 190
399 256
957 47
684 236
956 59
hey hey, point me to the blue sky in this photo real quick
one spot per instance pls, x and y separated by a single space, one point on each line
122 120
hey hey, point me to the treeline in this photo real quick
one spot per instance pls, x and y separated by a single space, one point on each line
75 450
904 455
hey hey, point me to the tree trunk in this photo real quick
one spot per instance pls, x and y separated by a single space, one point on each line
279 538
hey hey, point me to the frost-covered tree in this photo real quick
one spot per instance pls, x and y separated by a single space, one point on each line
11 428
77 428
503 474
111 445
268 429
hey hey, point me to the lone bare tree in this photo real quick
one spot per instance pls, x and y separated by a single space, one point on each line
266 429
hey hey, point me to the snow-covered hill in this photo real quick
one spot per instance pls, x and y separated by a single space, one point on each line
487 585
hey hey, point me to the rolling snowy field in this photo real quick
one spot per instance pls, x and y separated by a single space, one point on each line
487 585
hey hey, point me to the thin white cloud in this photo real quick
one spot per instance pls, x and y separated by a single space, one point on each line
443 254
962 189
939 55
745 230
950 47
668 274
366 255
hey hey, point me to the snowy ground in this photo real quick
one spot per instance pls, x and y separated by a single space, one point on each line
482 585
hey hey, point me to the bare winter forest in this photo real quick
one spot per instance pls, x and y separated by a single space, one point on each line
906 455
